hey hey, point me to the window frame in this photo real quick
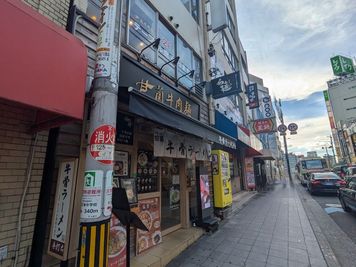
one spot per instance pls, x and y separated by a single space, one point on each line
230 54
191 11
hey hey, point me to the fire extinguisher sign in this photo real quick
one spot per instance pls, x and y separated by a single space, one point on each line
102 144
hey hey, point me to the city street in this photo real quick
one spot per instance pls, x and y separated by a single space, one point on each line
280 227
345 220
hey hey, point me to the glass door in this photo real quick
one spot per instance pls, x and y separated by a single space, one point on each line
170 207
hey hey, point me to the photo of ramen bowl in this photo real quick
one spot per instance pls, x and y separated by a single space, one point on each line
117 241
175 196
156 237
146 218
143 243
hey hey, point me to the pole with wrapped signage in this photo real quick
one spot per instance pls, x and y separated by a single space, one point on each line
97 191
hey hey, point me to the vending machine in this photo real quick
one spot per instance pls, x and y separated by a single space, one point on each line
221 179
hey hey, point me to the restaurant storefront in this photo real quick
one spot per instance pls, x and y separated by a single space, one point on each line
163 151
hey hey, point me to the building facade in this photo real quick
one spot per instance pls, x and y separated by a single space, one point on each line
169 127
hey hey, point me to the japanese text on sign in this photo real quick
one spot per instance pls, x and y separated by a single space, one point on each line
102 144
182 105
61 223
92 195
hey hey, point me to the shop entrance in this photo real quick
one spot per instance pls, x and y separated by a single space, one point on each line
171 195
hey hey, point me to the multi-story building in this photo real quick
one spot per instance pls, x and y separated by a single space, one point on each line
167 123
269 140
340 104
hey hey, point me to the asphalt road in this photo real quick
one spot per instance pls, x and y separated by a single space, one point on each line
331 205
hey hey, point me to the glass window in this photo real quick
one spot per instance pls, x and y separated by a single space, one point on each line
231 25
195 10
198 75
170 202
142 28
93 10
185 62
193 7
228 52
186 3
166 49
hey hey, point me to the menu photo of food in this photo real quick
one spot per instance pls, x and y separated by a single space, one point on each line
117 243
149 213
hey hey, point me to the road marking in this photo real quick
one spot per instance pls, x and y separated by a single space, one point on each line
333 205
333 210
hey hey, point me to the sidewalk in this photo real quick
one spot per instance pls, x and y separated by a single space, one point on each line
272 230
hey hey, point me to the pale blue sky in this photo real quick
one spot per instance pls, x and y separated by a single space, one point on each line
289 44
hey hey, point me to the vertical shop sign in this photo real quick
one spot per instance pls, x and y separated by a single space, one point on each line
102 144
117 243
205 192
252 96
149 213
250 175
92 195
61 222
267 107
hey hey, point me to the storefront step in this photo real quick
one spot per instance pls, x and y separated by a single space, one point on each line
172 245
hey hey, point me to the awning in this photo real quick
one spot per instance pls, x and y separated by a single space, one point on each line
42 65
266 154
145 107
251 152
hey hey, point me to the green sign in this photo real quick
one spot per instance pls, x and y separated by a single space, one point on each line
326 95
342 65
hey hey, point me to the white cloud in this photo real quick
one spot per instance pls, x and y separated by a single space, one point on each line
312 135
289 42
291 83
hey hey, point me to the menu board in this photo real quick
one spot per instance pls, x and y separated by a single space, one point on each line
147 172
129 185
149 213
205 192
117 243
121 164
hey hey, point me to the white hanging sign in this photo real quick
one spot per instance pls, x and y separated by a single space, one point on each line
61 223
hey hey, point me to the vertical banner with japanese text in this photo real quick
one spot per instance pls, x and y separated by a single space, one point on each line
62 212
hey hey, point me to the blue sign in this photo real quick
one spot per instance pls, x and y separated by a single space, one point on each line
252 96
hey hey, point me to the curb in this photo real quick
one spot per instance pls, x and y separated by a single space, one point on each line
328 233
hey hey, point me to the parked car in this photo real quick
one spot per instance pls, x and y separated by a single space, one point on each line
347 196
350 172
327 182
340 170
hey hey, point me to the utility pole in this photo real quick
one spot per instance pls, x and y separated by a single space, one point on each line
332 148
97 191
280 114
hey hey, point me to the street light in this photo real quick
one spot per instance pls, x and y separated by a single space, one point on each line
174 61
190 74
154 44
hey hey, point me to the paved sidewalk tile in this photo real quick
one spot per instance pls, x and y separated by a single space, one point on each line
271 231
